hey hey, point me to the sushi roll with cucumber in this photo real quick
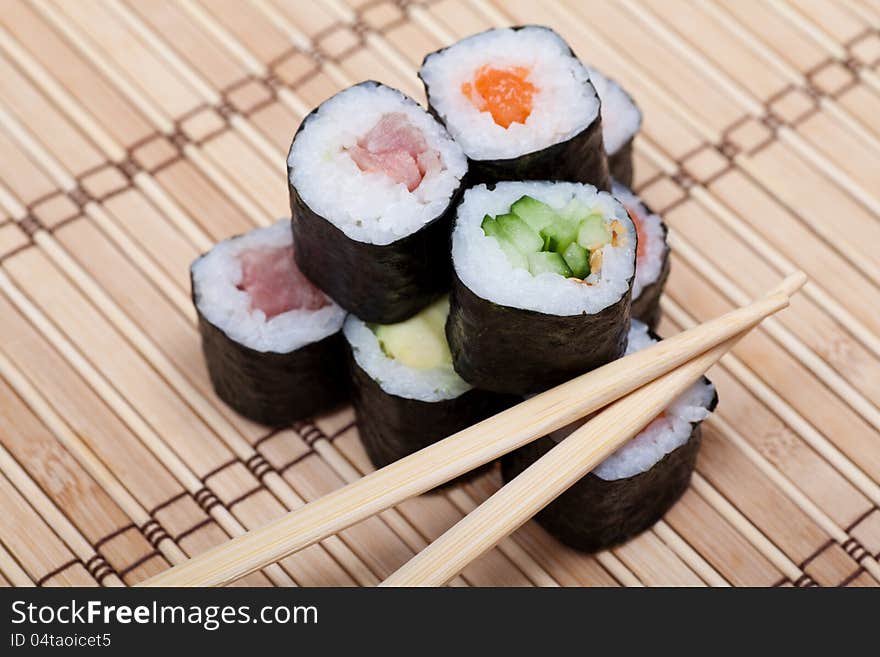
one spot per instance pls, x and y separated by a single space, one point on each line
271 339
520 104
631 489
373 183
652 256
621 120
406 393
542 282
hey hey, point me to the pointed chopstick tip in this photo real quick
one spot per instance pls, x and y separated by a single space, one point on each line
790 284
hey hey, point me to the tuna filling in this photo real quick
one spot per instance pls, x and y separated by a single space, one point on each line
275 284
398 149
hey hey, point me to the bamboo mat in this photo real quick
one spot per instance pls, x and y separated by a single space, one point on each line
135 134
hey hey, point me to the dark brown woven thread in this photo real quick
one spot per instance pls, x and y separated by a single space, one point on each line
52 573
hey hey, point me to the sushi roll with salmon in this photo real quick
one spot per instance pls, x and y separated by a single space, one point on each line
373 182
271 339
406 393
631 489
542 282
520 104
652 256
621 120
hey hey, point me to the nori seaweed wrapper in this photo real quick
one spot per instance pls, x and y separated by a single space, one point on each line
620 164
392 427
595 514
646 307
581 158
516 351
273 388
384 284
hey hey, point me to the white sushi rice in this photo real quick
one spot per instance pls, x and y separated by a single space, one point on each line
621 118
650 264
216 276
661 436
369 206
482 266
564 104
428 385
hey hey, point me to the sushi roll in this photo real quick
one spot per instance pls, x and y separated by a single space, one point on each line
621 120
373 183
542 281
271 339
520 104
405 391
652 256
631 489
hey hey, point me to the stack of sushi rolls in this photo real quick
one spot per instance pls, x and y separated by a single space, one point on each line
621 120
652 256
542 283
436 306
271 339
631 489
521 105
373 181
405 391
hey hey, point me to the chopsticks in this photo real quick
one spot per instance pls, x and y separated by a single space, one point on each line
468 449
547 478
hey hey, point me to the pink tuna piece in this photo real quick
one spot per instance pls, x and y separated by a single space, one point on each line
398 149
275 284
397 165
394 132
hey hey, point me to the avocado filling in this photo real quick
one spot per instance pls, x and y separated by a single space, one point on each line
419 341
566 241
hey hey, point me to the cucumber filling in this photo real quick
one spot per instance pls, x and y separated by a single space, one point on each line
539 238
420 341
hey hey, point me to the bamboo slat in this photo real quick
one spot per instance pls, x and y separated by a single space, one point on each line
137 134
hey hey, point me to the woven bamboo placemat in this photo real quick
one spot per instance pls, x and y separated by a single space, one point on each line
135 134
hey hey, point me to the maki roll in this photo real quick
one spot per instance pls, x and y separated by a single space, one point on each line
406 394
373 182
621 120
520 104
271 339
542 280
652 256
631 489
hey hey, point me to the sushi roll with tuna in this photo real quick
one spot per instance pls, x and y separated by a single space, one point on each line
652 256
520 104
542 282
621 120
406 393
631 489
373 184
271 339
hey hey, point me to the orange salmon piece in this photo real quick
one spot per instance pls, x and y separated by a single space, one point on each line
504 93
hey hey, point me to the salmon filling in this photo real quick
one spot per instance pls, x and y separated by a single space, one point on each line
642 247
505 93
398 149
275 284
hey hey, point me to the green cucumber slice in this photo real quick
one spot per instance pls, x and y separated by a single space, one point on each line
519 233
593 233
558 235
534 212
544 261
578 259
514 257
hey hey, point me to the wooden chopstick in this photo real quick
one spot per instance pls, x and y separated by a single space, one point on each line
549 476
465 450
